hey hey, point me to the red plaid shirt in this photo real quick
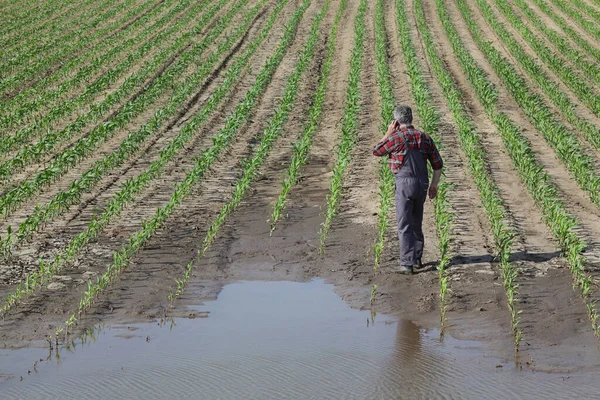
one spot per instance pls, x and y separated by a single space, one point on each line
394 146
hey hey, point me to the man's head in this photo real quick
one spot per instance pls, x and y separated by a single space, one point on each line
403 114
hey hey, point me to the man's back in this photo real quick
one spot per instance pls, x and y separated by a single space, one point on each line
403 139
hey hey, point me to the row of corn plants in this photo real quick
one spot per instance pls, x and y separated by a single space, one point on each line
72 195
98 30
350 124
430 120
66 108
471 143
304 143
35 61
85 146
32 152
202 165
252 165
51 28
566 146
29 15
35 19
540 186
80 70
388 102
572 79
591 12
134 187
590 26
567 28
559 40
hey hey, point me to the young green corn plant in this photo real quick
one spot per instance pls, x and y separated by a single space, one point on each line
84 147
46 95
302 146
566 146
121 259
134 187
430 119
349 127
540 186
63 200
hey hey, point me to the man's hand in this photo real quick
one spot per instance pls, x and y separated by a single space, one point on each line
391 128
433 191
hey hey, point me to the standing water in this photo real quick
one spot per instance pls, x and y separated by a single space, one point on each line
277 340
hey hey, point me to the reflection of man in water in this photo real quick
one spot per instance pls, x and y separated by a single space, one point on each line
408 150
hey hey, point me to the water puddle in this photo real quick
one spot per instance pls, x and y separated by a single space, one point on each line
277 340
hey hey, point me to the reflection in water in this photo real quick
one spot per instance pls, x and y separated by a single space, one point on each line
277 340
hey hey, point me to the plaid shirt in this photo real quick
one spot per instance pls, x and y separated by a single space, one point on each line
394 146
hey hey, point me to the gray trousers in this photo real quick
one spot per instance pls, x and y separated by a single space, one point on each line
410 200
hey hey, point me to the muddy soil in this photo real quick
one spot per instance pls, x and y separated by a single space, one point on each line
558 335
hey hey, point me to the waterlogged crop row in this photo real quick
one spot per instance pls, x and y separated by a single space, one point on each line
251 165
47 92
567 147
430 120
203 163
303 145
63 200
73 155
350 124
539 184
471 144
31 153
66 46
578 84
134 187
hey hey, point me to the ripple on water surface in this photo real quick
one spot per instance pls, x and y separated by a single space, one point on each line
278 340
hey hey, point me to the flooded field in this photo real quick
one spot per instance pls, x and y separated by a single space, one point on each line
276 340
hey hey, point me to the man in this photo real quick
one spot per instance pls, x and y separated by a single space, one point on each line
408 150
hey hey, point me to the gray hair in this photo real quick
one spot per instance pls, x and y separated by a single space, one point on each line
403 114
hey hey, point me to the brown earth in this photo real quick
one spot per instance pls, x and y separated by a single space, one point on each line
557 333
